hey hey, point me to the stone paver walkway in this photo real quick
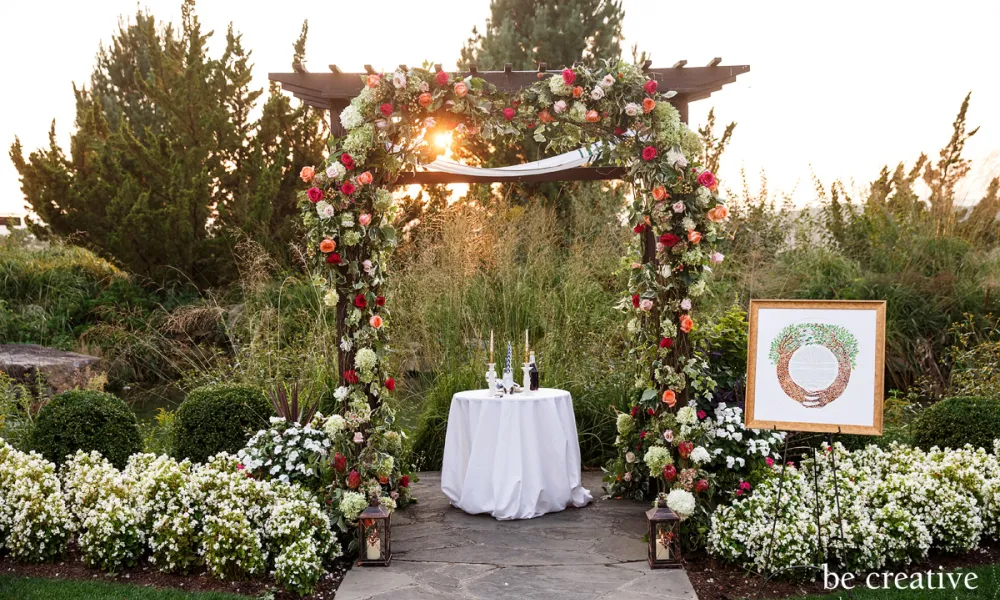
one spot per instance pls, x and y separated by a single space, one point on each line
595 552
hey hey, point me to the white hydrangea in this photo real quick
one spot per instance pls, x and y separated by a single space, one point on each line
324 209
335 424
681 502
625 423
331 298
351 117
687 415
365 360
352 504
700 455
656 458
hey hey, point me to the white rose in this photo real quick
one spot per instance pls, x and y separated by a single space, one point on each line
336 171
559 107
399 79
608 81
632 109
597 93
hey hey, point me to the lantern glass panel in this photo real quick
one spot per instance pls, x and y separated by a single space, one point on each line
664 538
374 537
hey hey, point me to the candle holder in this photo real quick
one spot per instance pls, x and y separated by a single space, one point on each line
491 379
526 382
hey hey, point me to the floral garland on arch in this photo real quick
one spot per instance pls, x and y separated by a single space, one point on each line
675 213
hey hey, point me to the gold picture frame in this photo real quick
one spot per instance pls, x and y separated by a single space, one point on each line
813 400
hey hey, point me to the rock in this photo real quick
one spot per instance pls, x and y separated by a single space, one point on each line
60 370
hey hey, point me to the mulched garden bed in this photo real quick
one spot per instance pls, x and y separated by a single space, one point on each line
714 580
199 581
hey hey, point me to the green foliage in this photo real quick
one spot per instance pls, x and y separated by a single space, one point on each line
723 342
218 418
975 357
157 433
525 32
954 422
167 167
19 406
30 588
86 420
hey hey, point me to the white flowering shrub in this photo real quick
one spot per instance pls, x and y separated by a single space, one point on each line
288 452
169 505
896 504
35 524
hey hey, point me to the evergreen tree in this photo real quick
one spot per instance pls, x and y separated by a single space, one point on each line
556 32
167 168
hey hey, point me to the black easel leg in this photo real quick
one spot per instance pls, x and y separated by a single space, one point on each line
777 505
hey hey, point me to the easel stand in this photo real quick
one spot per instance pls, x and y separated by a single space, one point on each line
817 511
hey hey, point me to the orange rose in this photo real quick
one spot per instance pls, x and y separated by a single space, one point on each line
307 174
365 178
375 321
669 398
383 479
660 192
718 214
593 116
425 99
648 104
545 116
694 236
686 323
374 79
577 92
327 246
461 89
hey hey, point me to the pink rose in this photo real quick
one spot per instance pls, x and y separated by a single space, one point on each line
668 436
359 438
678 207
627 476
568 76
508 113
706 179
717 257
646 304
650 86
364 219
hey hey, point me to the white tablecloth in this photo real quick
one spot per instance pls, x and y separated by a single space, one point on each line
514 457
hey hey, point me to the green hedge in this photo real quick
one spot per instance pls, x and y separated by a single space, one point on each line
954 422
218 418
86 420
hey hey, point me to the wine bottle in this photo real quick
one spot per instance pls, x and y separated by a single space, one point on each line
533 372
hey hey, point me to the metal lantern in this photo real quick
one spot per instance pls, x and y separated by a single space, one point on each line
664 537
374 536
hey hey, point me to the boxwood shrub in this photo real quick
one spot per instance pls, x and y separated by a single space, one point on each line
218 418
86 420
957 421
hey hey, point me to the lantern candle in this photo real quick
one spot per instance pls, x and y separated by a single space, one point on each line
373 550
663 547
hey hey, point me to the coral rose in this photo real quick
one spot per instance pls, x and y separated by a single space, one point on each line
718 214
648 104
424 99
375 321
694 236
686 323
669 398
315 194
441 78
545 116
660 192
461 89
649 153
592 116
568 76
365 178
333 258
347 161
650 86
706 179
577 92
374 79
307 174
327 246
669 240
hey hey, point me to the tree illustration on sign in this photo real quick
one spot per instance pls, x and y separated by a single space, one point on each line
835 338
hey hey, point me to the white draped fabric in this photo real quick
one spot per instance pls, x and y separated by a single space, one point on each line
569 160
514 457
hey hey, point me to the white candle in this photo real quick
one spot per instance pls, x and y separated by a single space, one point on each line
662 552
491 346
374 549
525 346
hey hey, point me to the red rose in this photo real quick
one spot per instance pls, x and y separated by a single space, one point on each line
360 301
347 161
701 485
333 258
441 78
568 76
669 240
639 228
390 384
651 411
701 415
339 462
315 194
347 188
670 472
508 113
635 300
353 480
619 131
351 376
404 481
666 343
649 153
385 109
379 300
650 86
706 179
634 411
685 448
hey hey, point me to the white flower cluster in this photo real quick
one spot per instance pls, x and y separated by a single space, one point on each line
35 524
288 452
681 502
896 505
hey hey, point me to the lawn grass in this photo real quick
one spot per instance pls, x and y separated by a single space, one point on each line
30 588
988 583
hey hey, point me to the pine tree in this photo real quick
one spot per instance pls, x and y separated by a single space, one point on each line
167 169
557 32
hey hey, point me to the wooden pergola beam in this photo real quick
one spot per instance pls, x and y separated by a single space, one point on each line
575 174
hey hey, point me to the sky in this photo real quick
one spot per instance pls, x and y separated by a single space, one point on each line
836 90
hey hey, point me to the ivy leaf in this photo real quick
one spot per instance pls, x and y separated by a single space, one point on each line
648 394
389 233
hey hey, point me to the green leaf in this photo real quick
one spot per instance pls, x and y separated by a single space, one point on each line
648 394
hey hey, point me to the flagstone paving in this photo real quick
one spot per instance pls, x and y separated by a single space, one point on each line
440 552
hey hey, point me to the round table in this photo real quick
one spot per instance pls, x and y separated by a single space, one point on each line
514 457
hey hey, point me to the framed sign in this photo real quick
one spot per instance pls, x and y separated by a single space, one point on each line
816 365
